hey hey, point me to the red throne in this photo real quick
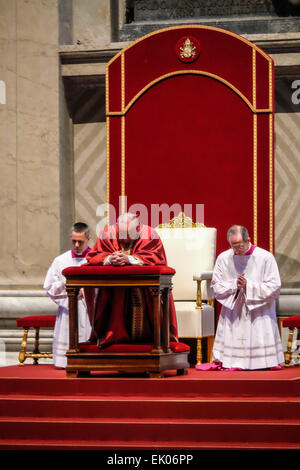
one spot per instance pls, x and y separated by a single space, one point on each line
192 123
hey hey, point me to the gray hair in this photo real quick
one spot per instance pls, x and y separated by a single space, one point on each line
128 215
80 227
133 226
235 229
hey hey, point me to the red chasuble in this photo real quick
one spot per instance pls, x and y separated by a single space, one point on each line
122 315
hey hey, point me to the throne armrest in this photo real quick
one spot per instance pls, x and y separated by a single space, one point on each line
199 277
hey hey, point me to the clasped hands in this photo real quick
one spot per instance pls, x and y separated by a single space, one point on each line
119 258
241 281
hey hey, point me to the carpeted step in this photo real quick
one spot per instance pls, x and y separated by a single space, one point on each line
148 408
163 449
156 449
140 431
41 408
37 380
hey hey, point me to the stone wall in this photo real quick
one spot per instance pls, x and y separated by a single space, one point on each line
90 172
29 140
36 133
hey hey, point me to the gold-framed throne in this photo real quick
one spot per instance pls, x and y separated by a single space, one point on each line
191 250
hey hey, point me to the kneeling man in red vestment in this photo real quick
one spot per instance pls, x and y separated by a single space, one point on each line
125 315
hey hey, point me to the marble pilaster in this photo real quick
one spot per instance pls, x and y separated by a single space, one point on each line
29 135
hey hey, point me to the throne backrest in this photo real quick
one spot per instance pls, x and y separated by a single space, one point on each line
190 251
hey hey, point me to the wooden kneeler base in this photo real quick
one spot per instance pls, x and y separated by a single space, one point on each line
154 362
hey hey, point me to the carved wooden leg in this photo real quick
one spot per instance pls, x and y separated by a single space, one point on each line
73 318
288 353
199 351
22 353
36 345
199 296
166 320
210 344
155 292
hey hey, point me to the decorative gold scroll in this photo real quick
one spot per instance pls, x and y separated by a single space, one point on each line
182 221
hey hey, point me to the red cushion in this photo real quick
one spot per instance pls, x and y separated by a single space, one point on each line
36 321
129 348
291 322
87 269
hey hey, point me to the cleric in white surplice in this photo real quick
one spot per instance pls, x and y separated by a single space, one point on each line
55 288
246 282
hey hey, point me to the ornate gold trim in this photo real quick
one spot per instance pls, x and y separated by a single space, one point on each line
271 133
254 77
271 84
107 142
271 181
199 295
107 89
182 221
123 162
123 81
199 355
107 167
186 72
255 179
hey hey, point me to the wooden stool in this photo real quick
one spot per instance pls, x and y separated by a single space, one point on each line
34 321
291 323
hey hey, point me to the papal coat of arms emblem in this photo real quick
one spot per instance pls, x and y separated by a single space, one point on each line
188 49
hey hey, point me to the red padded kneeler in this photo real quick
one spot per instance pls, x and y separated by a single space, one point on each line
36 321
291 322
86 269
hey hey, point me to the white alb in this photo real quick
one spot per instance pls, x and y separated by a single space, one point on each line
55 287
247 335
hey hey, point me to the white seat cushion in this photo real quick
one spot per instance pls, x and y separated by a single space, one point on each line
189 251
192 322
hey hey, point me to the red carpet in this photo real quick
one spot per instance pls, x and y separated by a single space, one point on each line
40 408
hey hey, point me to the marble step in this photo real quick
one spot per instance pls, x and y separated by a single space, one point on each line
11 339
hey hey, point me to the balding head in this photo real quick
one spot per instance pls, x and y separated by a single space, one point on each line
238 238
128 225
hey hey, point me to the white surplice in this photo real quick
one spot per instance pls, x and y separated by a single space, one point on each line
55 288
247 335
